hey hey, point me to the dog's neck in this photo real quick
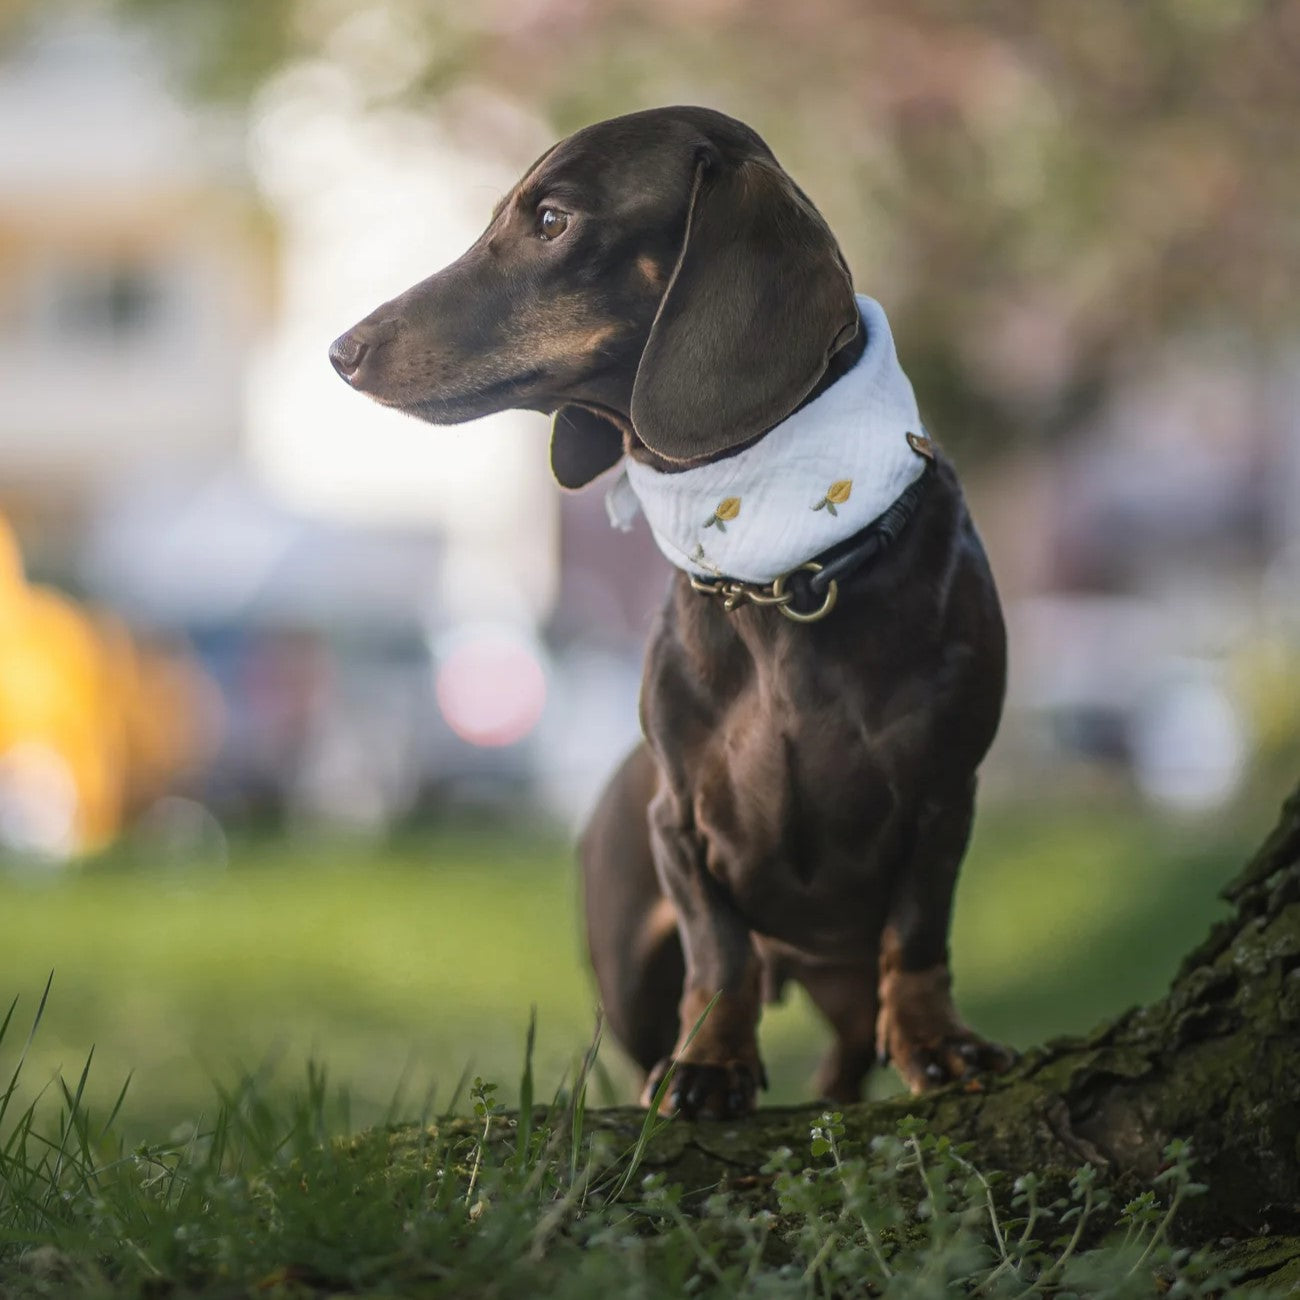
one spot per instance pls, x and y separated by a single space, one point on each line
829 469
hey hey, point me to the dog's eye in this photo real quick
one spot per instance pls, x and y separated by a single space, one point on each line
552 223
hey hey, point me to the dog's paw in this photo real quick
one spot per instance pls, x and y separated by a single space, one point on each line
919 1031
711 1091
958 1058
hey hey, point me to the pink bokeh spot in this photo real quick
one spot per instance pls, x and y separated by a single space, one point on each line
491 691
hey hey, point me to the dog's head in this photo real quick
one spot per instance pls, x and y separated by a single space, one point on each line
656 276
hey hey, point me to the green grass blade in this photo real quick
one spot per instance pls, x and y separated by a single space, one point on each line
74 1123
9 1015
115 1110
22 1056
578 1105
458 1091
654 1121
526 1088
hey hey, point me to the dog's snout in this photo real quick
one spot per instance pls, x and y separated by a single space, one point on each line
355 354
347 352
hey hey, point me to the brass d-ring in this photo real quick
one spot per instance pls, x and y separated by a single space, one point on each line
828 604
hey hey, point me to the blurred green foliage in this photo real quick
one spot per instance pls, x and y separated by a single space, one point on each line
1042 194
406 966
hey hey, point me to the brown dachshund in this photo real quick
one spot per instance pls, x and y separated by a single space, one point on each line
804 795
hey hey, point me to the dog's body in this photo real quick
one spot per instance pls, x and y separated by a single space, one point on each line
804 796
810 789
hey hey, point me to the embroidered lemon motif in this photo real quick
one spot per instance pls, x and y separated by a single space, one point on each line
836 495
727 509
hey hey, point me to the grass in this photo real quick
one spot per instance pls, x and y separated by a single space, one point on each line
408 960
400 964
420 959
274 1197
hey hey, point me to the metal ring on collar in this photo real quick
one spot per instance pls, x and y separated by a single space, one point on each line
828 604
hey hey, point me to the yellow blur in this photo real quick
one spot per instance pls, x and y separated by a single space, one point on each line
93 725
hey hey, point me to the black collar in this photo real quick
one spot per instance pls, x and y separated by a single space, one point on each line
845 558
808 593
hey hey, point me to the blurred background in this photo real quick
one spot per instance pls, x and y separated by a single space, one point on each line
295 732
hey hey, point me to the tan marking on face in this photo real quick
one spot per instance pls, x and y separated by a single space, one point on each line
597 339
556 334
525 184
651 272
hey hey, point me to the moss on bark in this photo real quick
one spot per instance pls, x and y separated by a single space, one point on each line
1215 1061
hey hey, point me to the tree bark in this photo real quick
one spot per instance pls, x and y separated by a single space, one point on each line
1215 1061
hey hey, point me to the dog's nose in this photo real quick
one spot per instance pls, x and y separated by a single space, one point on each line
347 352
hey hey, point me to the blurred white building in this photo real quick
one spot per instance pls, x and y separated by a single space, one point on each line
134 272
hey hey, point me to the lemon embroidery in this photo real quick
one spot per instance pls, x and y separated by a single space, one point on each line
726 509
836 495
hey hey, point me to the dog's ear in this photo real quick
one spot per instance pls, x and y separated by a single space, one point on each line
583 445
758 303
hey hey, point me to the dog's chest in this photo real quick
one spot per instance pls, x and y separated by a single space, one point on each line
798 812
794 759
788 764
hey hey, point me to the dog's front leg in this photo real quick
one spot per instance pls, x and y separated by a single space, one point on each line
918 1027
718 1071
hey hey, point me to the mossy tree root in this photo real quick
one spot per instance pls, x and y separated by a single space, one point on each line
1216 1061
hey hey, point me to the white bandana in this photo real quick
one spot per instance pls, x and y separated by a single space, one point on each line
821 475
